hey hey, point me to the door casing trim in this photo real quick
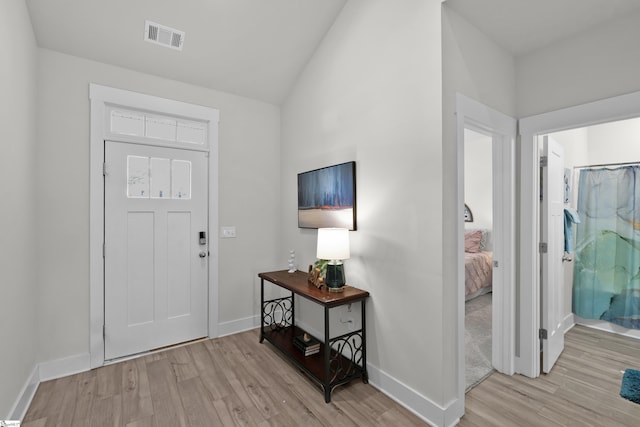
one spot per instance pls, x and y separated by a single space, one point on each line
502 128
592 113
100 97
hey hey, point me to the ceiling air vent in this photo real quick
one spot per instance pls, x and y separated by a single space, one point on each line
164 36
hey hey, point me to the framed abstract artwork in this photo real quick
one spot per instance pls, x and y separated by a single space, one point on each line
327 197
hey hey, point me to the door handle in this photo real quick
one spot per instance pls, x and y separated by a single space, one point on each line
202 254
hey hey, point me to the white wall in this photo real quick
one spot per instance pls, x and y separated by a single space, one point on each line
249 193
615 142
576 146
476 67
372 93
598 64
18 243
478 180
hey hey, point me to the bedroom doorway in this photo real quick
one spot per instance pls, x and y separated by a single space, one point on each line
501 131
478 252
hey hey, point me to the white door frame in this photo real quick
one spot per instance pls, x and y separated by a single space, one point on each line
597 112
474 115
101 98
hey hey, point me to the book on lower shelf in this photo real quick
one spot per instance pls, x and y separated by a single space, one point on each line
307 344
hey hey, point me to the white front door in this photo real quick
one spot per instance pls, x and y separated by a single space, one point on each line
552 287
155 262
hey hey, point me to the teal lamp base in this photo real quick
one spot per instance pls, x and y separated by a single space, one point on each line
334 278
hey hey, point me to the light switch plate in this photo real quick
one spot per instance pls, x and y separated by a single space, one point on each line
228 232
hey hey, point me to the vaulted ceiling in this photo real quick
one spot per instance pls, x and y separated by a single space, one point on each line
257 48
522 26
253 48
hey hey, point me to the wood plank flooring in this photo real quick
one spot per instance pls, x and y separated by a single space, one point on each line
230 381
235 381
582 389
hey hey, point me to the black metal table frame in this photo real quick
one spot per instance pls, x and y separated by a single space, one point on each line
352 343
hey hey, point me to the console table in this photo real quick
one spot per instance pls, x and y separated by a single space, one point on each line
341 358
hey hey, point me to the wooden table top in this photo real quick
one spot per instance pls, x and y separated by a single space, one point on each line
297 282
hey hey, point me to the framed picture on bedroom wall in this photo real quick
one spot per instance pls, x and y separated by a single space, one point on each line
567 185
468 215
327 197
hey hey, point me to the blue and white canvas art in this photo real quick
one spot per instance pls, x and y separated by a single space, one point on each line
327 197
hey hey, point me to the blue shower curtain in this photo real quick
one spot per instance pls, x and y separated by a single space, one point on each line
606 283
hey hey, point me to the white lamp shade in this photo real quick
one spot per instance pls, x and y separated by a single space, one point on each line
333 243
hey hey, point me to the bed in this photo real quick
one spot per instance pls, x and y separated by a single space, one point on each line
478 270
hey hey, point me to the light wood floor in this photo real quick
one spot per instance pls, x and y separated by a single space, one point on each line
236 381
582 389
230 381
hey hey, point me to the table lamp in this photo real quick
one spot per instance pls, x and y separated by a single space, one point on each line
333 245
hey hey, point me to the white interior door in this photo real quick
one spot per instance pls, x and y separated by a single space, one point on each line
552 287
155 263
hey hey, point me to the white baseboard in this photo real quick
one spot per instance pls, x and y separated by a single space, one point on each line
415 402
453 411
26 396
608 327
239 325
65 366
420 405
43 372
568 322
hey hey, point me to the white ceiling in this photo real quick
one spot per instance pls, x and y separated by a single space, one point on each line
253 48
521 26
257 48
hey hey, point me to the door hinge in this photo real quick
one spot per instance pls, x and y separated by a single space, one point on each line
104 168
542 334
542 247
544 161
495 264
104 332
104 249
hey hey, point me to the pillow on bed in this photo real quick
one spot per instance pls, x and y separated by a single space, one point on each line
472 239
484 242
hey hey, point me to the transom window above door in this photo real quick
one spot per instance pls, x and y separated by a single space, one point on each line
158 127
